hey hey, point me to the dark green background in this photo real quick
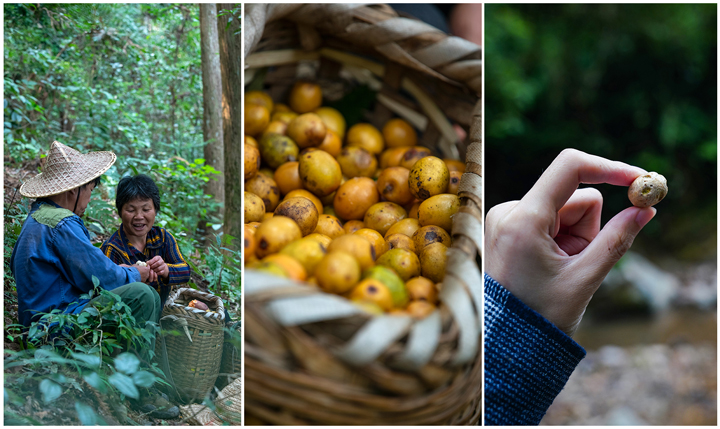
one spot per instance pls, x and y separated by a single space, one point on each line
634 83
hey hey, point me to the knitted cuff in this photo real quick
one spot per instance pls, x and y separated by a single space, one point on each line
528 360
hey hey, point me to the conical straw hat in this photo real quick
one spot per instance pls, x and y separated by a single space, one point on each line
65 169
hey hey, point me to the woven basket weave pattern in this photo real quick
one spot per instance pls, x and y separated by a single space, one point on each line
315 358
195 354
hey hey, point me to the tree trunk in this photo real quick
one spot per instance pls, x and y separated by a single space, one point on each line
212 99
231 68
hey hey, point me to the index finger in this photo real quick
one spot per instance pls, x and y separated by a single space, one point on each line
570 169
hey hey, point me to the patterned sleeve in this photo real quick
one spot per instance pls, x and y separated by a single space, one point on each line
114 254
179 269
528 360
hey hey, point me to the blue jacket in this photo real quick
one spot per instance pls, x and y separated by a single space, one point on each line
527 359
53 263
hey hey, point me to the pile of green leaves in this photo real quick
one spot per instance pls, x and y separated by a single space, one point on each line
69 362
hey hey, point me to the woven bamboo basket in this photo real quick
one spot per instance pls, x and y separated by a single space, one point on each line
315 358
195 352
231 364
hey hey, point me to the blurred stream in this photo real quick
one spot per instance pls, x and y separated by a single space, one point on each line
647 366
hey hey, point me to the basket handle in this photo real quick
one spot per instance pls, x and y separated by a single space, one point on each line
407 41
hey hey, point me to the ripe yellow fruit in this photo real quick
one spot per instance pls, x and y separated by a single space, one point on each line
374 291
274 234
366 136
320 172
259 97
337 272
429 176
399 133
438 210
256 118
302 211
333 120
305 97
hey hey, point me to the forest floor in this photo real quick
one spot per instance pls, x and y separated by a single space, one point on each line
62 410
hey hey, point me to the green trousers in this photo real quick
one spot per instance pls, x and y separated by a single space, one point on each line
144 303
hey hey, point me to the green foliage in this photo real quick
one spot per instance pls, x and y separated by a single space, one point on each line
121 77
67 353
634 83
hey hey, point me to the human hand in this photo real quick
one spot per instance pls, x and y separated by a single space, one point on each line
159 267
548 249
147 275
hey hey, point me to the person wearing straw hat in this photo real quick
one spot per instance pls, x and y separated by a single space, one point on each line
53 261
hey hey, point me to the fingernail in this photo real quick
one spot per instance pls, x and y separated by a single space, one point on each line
644 216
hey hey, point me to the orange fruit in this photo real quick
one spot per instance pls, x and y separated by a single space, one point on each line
357 162
250 141
366 136
354 197
376 240
413 155
422 289
399 133
392 157
333 120
454 183
420 309
307 130
305 97
307 194
337 272
330 226
353 225
374 291
392 184
332 143
265 188
287 177
293 268
256 118
302 211
381 216
320 173
357 246
274 234
454 165
259 97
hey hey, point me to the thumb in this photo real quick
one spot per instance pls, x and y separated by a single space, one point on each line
611 243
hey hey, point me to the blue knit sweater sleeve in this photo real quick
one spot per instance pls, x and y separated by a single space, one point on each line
527 359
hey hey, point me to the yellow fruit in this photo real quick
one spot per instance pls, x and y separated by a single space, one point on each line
307 194
251 160
308 252
307 130
302 211
305 97
400 241
250 141
389 278
392 184
287 177
367 137
354 197
330 226
357 162
274 234
433 259
428 235
265 188
422 289
277 149
333 120
372 290
293 268
259 97
392 157
337 272
399 133
320 238
413 155
353 225
438 210
320 172
455 165
357 246
382 216
429 176
406 226
285 117
376 240
454 183
405 263
256 118
275 127
253 207
420 309
270 268
331 144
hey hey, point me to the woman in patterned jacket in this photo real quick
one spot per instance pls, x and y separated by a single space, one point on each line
138 240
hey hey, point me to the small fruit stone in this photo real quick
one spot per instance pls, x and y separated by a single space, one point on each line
648 190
